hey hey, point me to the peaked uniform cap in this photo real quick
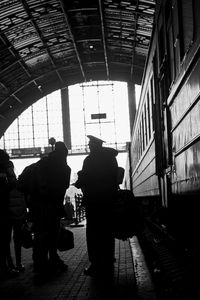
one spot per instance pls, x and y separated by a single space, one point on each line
94 139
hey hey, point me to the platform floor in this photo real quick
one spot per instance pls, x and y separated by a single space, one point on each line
131 278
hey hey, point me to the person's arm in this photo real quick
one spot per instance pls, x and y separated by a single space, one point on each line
12 179
68 176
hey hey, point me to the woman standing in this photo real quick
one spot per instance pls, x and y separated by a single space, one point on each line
7 183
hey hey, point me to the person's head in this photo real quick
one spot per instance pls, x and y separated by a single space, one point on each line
4 156
94 143
61 148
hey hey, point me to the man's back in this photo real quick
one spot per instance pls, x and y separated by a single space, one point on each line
54 176
100 172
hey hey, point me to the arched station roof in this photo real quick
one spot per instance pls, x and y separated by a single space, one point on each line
49 44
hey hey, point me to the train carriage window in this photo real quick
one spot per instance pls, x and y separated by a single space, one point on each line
138 144
163 89
170 43
187 25
149 115
176 35
196 9
161 46
141 140
143 134
145 124
152 101
170 50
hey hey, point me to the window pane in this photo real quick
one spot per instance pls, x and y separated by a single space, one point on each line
97 108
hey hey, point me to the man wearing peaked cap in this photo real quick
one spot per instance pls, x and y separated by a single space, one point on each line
94 139
98 181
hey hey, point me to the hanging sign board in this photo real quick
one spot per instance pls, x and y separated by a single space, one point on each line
98 116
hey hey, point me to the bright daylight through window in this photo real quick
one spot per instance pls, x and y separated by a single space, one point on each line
99 108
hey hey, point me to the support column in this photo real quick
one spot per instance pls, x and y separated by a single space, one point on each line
66 117
132 104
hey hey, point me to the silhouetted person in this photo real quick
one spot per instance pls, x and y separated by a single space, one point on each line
98 181
17 217
7 183
46 209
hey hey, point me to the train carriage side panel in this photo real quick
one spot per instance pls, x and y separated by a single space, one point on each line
144 164
165 161
185 115
144 179
183 106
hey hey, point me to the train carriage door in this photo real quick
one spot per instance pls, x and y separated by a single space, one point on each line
161 123
167 149
163 126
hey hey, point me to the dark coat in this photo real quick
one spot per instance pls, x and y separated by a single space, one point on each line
98 177
52 179
57 174
17 205
7 181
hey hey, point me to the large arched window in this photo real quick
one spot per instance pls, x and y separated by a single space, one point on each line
99 108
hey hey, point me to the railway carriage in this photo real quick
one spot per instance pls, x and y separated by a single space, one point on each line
164 165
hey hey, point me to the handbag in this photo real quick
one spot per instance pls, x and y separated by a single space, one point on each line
127 218
65 239
27 235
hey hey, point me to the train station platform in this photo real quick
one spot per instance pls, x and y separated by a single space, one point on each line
131 280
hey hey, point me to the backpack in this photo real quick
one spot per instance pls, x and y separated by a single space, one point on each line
26 182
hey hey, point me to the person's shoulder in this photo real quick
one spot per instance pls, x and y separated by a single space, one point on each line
44 160
109 151
87 158
10 167
68 167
